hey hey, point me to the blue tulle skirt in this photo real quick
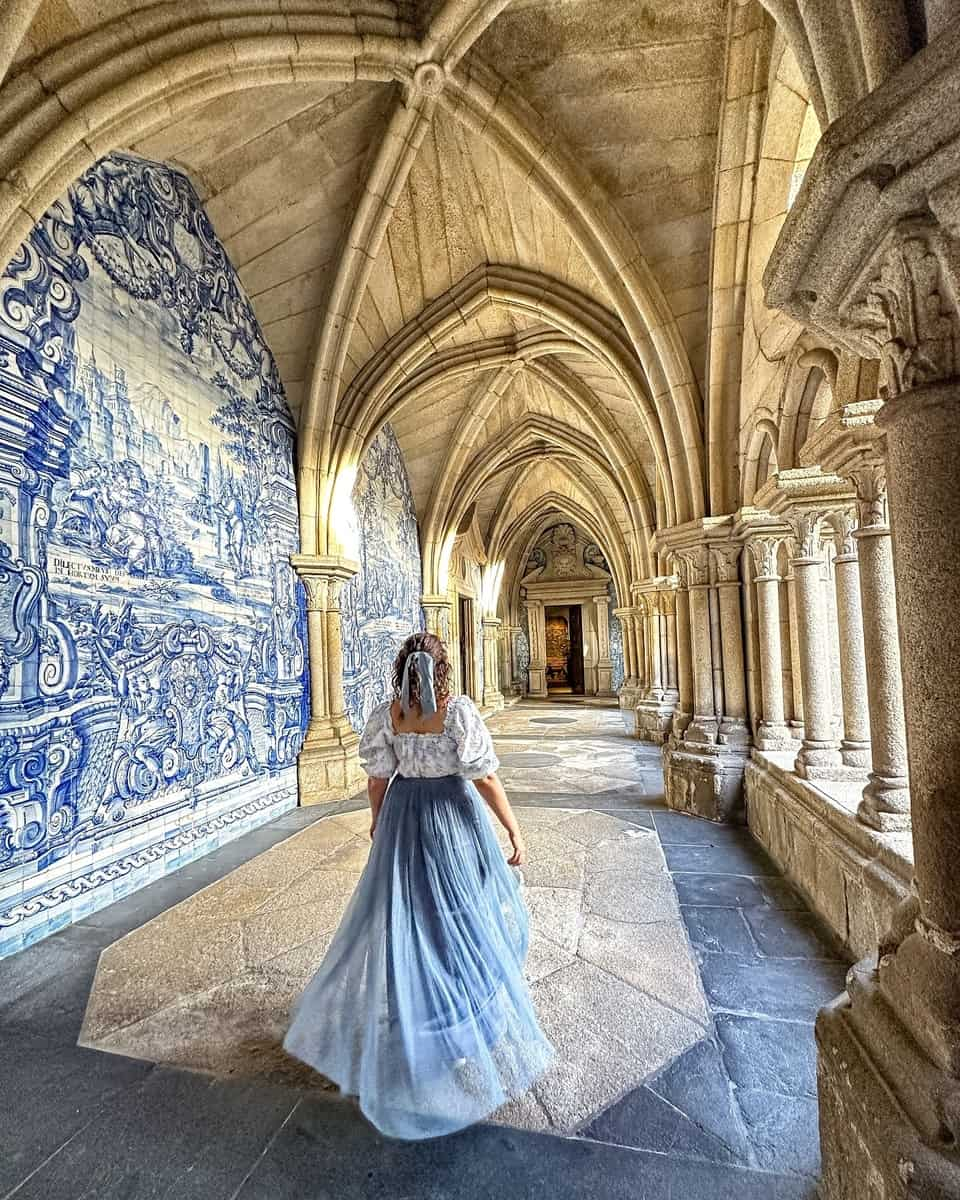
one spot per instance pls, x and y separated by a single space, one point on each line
420 1007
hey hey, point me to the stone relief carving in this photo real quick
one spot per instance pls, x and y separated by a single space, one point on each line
905 312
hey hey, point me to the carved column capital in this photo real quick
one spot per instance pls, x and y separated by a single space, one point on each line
764 552
844 524
807 525
870 481
726 563
697 564
903 308
323 578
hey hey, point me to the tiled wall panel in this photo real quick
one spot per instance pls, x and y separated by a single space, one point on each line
152 662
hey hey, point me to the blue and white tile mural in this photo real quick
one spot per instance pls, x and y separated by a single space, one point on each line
380 606
152 663
616 641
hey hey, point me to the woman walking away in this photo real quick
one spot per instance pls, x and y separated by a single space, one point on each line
420 1007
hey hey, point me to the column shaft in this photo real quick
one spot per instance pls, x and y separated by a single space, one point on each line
886 798
820 751
855 745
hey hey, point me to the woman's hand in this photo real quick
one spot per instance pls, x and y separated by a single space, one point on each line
519 856
373 826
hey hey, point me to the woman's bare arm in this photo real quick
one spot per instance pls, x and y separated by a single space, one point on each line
376 790
491 789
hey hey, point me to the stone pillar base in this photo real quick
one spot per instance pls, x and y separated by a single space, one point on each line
705 781
775 737
328 768
628 709
888 1117
493 700
653 721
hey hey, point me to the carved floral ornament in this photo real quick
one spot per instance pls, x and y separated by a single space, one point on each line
764 551
904 307
844 525
871 484
726 563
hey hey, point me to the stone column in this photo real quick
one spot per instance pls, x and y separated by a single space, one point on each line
668 600
536 624
655 686
886 798
437 615
629 649
855 744
772 733
733 727
492 695
604 662
684 658
795 721
922 426
328 768
639 623
704 725
820 753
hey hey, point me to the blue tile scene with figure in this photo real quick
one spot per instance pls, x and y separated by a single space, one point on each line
380 606
152 632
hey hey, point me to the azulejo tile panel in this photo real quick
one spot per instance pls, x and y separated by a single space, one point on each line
616 640
152 653
380 607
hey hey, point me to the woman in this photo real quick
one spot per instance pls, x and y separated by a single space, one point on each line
420 1007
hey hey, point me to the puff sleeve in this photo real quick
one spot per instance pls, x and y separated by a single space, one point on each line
376 751
474 744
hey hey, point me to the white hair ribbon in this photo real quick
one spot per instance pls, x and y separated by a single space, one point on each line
428 697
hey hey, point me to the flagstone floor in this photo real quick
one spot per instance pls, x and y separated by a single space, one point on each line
675 970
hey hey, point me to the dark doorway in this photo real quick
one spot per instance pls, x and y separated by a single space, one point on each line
575 669
466 645
564 634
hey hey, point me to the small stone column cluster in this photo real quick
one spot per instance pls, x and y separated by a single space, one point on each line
772 732
537 671
508 659
492 695
328 768
706 753
819 755
604 661
657 690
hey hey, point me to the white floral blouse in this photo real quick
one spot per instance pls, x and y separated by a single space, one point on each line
463 748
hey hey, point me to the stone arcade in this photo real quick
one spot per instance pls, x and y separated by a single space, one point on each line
616 342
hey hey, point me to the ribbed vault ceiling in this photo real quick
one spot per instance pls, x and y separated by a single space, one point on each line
486 221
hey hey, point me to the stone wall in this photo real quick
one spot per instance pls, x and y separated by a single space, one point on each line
381 605
152 664
851 875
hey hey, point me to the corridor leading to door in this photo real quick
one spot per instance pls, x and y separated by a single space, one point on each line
675 970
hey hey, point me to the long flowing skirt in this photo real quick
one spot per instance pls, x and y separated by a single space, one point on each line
420 1007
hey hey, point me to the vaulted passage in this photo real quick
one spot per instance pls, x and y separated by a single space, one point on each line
615 342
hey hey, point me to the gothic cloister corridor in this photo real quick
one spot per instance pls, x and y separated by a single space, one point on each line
578 374
677 971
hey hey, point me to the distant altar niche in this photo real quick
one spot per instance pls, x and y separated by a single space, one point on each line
564 639
565 592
